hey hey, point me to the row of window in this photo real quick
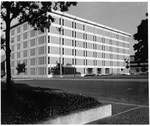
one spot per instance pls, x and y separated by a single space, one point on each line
89 28
31 71
55 40
25 35
75 61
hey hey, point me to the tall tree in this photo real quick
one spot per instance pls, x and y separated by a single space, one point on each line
35 13
141 36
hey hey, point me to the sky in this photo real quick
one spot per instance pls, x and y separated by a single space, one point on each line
124 16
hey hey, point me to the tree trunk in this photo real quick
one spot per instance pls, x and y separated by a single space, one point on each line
8 52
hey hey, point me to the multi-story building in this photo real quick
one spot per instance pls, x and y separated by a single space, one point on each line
85 45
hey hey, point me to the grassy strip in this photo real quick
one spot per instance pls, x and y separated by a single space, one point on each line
29 105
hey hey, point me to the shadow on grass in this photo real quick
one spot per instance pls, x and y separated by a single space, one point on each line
30 105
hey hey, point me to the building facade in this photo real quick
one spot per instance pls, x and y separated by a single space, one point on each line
87 46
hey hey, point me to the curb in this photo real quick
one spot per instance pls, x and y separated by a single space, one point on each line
82 117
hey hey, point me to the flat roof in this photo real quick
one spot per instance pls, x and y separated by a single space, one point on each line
82 20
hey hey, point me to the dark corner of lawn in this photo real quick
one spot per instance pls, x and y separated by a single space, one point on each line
30 105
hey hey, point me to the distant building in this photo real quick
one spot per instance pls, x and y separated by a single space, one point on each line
136 68
89 47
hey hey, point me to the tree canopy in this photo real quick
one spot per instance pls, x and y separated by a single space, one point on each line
141 48
35 13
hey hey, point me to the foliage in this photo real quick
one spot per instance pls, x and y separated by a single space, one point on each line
141 36
127 63
33 104
35 13
21 68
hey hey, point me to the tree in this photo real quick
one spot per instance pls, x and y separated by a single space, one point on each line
21 68
35 13
127 63
141 36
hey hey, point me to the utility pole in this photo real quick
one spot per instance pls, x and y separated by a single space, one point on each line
60 29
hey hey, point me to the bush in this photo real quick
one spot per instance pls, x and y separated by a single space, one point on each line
32 105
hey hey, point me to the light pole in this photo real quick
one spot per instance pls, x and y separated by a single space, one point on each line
60 29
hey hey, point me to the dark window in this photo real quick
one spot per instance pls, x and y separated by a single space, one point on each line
72 33
59 21
62 41
62 21
62 51
72 42
83 27
48 39
48 60
48 49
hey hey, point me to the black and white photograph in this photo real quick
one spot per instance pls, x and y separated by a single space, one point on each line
74 62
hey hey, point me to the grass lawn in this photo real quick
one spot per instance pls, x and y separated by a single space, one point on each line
30 105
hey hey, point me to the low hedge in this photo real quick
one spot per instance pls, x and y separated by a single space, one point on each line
29 105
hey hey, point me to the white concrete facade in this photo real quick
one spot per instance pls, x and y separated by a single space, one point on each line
83 44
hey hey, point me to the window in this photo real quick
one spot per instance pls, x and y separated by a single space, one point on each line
41 50
12 56
12 40
72 52
63 31
75 34
25 27
83 36
59 21
12 32
72 61
25 44
12 48
75 52
32 42
49 29
18 38
72 33
72 24
18 46
75 25
41 60
48 39
83 53
48 49
32 33
75 61
62 41
63 61
18 30
48 60
62 51
25 53
72 42
32 52
41 40
25 35
62 21
75 43
83 27
18 54
33 61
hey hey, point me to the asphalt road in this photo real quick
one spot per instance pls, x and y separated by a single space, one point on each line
133 90
128 95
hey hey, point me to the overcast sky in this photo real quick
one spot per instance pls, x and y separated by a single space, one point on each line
124 16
